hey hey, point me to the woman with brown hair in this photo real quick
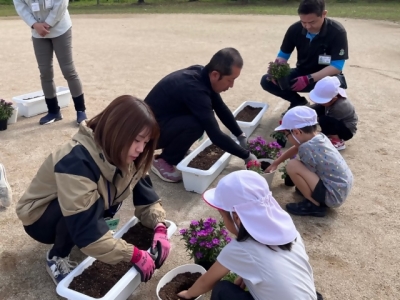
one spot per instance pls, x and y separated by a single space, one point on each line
85 181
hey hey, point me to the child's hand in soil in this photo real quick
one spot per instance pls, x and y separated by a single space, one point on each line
239 281
271 168
185 295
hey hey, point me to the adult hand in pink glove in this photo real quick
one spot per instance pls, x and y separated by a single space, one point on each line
161 245
143 263
300 83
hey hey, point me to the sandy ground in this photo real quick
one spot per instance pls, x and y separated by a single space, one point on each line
353 251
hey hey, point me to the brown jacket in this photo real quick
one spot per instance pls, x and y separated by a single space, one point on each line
88 188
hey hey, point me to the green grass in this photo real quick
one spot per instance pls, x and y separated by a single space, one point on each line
383 10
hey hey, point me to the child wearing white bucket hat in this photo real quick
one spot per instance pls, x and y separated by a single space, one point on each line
321 175
268 255
336 114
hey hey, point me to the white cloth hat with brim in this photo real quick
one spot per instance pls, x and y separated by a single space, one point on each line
247 193
298 117
326 89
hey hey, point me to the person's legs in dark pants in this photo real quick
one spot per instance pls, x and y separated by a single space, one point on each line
226 290
51 229
336 130
293 97
176 137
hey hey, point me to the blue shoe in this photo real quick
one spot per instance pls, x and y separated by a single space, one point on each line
306 208
59 268
50 118
80 117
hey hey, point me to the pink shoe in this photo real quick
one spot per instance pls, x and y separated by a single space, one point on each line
338 144
165 171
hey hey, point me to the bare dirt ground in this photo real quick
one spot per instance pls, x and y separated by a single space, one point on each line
353 251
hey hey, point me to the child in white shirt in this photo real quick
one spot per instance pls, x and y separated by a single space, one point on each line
268 255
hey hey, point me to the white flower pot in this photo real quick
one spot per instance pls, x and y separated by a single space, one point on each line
249 127
192 268
195 180
123 288
35 106
269 177
14 116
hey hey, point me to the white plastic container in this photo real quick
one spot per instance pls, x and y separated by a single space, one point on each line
269 177
192 268
123 288
195 180
35 106
13 118
249 127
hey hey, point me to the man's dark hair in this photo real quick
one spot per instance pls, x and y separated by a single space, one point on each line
309 129
307 7
244 235
224 60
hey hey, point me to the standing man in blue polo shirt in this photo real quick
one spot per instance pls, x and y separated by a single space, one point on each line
321 45
184 103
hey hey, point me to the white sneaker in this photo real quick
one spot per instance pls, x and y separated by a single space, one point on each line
59 268
5 188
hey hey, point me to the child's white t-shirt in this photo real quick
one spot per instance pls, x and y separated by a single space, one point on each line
270 275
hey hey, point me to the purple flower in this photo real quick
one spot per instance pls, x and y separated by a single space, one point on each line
211 220
209 230
199 255
202 244
224 232
258 148
209 245
202 233
183 231
193 241
194 223
215 241
206 224
228 239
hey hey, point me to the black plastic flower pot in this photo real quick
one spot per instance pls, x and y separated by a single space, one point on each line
3 125
288 181
281 142
204 263
284 83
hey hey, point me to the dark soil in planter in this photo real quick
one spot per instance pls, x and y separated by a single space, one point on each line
248 113
206 158
178 284
264 165
32 97
96 280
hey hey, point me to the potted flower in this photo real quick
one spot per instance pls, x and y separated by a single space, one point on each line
285 176
262 149
204 240
6 111
280 71
260 166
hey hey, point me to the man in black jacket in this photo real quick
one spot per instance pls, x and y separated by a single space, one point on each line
322 49
184 103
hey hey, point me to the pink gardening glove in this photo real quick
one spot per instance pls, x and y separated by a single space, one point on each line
300 83
143 263
161 245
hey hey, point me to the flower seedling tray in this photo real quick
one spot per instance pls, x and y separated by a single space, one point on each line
195 180
123 288
33 104
249 127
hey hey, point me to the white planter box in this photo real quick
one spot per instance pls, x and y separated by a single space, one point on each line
123 288
195 180
14 116
249 127
35 106
192 268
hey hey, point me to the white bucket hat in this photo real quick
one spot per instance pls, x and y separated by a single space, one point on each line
298 117
247 193
326 89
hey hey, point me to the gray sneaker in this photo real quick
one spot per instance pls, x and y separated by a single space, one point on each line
5 188
59 268
165 171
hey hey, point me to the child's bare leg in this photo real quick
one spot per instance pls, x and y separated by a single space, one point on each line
304 179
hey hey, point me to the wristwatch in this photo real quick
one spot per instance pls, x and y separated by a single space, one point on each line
310 79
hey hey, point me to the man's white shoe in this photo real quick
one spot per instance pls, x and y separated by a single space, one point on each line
5 188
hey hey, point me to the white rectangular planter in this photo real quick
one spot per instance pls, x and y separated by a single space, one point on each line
14 116
35 106
195 180
249 127
123 288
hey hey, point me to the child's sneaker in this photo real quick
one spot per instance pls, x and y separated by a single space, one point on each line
306 208
338 144
5 189
58 268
